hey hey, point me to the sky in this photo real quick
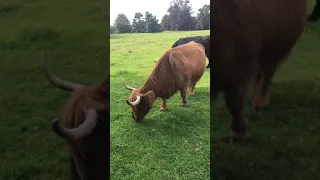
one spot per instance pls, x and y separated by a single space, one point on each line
155 7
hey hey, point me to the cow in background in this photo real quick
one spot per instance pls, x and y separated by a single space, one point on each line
84 126
315 14
251 38
204 40
178 69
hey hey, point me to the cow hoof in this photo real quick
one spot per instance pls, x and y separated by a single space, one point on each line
238 142
259 105
238 139
184 104
191 95
162 109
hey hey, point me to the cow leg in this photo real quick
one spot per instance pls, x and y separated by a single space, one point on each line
164 105
261 98
183 93
192 89
315 12
208 66
235 101
257 80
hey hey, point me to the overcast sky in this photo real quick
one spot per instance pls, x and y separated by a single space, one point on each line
155 7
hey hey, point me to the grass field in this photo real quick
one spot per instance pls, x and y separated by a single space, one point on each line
284 139
163 146
75 37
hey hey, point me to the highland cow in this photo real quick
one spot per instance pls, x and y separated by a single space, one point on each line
84 126
204 40
178 69
251 38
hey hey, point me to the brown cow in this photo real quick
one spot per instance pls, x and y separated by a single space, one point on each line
178 69
250 38
84 121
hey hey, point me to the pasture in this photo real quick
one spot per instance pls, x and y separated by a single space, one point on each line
284 139
74 35
164 145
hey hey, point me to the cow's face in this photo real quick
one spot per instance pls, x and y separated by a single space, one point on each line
86 133
140 104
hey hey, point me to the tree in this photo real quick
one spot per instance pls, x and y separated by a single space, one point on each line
203 18
152 23
138 23
193 23
165 23
112 29
180 15
122 24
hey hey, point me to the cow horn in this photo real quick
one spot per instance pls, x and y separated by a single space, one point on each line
128 87
56 81
84 130
136 102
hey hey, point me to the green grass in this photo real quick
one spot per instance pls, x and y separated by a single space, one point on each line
163 146
75 37
284 139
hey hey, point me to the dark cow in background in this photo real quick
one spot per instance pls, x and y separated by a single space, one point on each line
250 39
178 69
315 14
204 40
84 126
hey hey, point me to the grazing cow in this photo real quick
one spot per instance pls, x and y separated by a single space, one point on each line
178 69
84 126
250 39
204 40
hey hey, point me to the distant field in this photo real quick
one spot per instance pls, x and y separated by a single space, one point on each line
164 146
284 142
74 35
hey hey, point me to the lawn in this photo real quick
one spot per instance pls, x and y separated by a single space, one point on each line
164 145
284 139
75 37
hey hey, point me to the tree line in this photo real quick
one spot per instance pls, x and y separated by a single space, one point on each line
178 18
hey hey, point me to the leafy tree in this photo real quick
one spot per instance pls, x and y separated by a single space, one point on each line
203 18
152 23
193 23
180 15
138 23
122 24
112 29
165 23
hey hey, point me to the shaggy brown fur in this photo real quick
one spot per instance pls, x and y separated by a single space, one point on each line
250 38
178 69
88 156
88 147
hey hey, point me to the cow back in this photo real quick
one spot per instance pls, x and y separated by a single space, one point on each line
188 61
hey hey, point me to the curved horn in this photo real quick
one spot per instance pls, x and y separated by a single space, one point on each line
128 87
84 130
136 102
56 81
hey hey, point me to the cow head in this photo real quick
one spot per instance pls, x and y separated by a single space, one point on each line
83 125
140 103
